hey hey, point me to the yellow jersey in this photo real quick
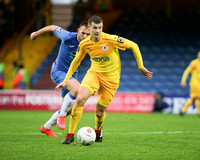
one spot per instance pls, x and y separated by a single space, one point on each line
105 59
194 69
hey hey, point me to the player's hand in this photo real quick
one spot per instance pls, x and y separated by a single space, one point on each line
183 84
146 73
61 85
33 36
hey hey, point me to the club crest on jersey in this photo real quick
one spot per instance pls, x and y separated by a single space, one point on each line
120 40
59 30
105 48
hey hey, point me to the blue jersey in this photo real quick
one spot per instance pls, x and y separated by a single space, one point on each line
67 50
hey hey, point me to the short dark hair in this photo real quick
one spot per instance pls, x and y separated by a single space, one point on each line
84 23
95 19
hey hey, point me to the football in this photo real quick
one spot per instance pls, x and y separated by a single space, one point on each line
86 136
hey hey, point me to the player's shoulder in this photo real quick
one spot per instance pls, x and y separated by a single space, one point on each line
60 30
109 36
85 41
113 37
195 61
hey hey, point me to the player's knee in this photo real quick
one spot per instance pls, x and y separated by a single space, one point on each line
74 88
80 101
74 92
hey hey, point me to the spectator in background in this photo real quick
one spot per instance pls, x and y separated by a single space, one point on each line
21 79
2 66
15 68
79 11
6 20
9 16
158 104
2 26
194 69
103 5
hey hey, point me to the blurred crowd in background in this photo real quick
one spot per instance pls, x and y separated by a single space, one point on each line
153 24
7 13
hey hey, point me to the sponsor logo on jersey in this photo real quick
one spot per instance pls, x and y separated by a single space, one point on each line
120 40
105 48
72 55
71 46
102 59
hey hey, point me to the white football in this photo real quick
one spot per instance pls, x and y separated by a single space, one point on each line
86 135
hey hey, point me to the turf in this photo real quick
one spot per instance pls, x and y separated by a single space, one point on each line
126 136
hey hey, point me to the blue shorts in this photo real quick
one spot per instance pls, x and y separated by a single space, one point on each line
58 76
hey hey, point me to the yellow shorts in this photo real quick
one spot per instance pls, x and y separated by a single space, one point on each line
106 89
195 91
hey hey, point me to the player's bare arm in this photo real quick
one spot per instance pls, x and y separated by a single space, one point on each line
46 29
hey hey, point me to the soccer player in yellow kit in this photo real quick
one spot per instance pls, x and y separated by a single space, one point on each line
103 75
194 69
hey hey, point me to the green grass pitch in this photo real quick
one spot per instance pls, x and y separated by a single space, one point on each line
126 137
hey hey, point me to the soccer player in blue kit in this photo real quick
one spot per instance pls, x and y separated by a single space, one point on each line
67 51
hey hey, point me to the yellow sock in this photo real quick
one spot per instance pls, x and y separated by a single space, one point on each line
197 105
75 117
188 103
99 121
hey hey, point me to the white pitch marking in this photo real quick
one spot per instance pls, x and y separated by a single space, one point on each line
127 133
159 132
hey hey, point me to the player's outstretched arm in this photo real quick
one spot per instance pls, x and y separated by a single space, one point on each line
146 73
185 75
61 85
46 29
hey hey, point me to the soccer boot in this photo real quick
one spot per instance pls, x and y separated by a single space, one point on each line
181 113
61 122
69 139
99 135
48 132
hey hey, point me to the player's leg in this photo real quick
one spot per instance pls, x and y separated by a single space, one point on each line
68 94
185 107
68 100
100 116
197 104
105 96
77 110
57 77
46 128
197 99
89 86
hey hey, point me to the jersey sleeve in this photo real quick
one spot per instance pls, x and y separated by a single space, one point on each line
186 72
62 34
119 42
136 51
123 44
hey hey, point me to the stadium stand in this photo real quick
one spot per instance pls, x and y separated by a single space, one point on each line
46 63
166 50
35 51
